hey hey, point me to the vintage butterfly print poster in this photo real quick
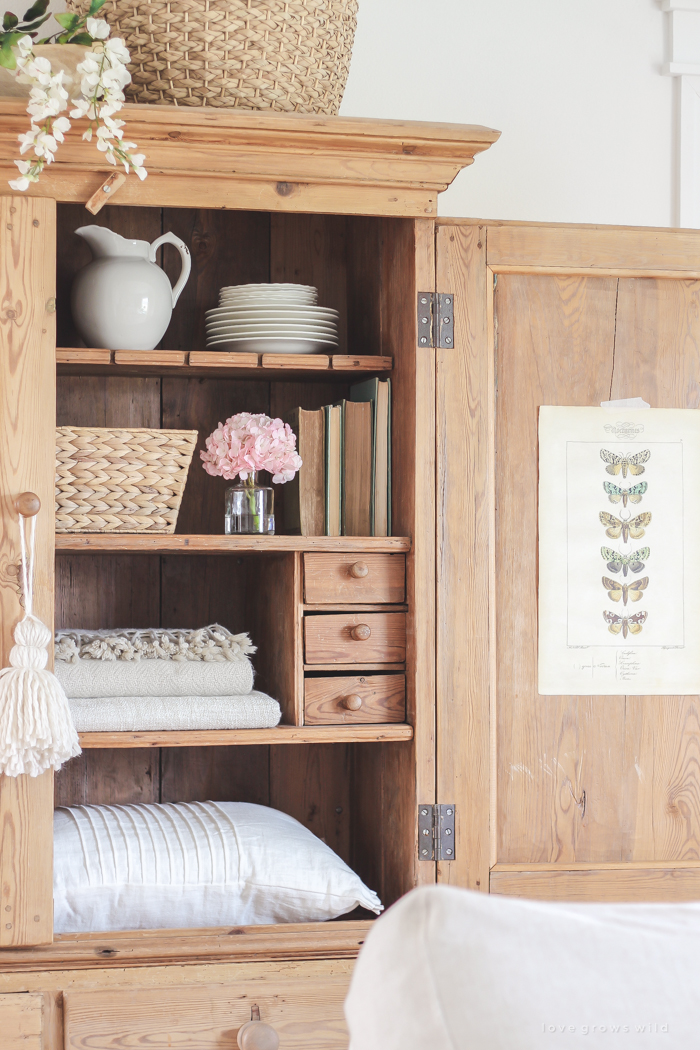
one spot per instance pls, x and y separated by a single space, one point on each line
619 560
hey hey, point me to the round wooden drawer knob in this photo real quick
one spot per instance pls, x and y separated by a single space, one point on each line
28 504
352 702
361 632
256 1035
359 570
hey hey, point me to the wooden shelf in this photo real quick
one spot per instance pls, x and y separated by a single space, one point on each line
131 948
345 734
143 543
86 361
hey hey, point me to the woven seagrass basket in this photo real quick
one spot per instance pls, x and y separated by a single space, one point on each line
289 55
120 480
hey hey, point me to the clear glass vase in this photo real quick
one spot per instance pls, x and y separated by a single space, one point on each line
250 508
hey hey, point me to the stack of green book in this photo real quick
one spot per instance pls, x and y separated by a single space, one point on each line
344 485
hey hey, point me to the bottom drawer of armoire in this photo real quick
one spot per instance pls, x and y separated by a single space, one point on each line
306 1013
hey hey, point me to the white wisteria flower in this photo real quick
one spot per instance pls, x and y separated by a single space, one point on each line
103 77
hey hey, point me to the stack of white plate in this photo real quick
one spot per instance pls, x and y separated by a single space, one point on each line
271 319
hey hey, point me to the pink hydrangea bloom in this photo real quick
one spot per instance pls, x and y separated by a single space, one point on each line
248 442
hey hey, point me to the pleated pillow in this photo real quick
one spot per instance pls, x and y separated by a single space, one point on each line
189 865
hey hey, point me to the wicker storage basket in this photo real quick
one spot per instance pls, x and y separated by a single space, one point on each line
120 480
290 55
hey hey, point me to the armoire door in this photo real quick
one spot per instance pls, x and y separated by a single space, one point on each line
27 463
568 797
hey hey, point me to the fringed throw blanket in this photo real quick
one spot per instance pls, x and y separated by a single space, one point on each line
213 644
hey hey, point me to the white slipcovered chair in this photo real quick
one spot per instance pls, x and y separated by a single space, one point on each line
447 969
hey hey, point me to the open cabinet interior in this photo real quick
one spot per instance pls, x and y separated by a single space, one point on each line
355 794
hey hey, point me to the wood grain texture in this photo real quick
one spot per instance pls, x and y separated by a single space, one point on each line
21 1021
332 578
288 164
27 463
109 777
464 501
221 737
669 884
310 249
556 338
581 249
307 1015
329 639
101 954
272 612
221 774
313 784
226 247
657 352
383 699
197 543
224 364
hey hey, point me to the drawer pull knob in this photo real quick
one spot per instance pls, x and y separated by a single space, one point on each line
256 1035
359 570
27 504
361 632
352 702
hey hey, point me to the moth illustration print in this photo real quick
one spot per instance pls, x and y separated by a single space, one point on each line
626 527
616 463
616 527
632 495
633 562
632 591
626 624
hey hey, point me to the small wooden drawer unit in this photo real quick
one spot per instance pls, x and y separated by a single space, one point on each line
355 638
370 698
345 578
305 1015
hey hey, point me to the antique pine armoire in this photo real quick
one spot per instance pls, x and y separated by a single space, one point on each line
477 323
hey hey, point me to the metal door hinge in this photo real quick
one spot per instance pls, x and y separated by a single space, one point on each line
436 832
436 319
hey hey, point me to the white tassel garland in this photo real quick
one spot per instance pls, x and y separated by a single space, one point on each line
36 726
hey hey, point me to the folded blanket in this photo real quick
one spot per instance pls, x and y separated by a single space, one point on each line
117 714
91 678
210 644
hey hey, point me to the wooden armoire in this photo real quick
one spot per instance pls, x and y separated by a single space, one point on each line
478 781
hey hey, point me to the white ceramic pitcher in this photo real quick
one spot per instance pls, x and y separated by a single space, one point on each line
122 300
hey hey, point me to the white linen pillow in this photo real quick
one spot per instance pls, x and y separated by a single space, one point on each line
198 864
449 969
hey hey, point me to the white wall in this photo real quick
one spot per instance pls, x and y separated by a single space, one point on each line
574 85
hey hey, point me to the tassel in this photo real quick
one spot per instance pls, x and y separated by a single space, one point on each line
36 725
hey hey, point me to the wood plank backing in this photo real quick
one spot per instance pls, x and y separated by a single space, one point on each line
310 249
27 462
556 338
218 774
626 883
312 783
109 777
226 247
464 469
